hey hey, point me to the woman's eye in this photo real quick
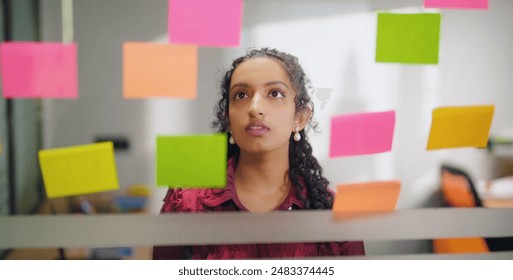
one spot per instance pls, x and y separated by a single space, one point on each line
239 95
277 94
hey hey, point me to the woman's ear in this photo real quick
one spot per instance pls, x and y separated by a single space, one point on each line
303 117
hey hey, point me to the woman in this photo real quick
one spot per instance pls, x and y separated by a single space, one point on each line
264 108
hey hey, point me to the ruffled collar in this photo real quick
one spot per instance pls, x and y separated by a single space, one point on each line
216 197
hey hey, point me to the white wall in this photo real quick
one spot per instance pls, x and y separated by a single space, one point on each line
335 41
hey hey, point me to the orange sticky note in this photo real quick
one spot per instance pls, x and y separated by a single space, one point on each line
460 245
159 70
370 197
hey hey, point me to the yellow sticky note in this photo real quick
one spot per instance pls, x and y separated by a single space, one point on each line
454 127
79 169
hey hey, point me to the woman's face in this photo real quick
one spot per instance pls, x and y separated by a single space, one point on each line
262 108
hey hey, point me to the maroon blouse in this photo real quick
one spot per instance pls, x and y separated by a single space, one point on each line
226 199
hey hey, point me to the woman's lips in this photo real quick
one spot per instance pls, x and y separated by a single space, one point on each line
257 129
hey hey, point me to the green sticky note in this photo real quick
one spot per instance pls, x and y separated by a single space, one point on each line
193 161
408 38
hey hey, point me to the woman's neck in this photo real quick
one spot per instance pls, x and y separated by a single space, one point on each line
262 173
262 180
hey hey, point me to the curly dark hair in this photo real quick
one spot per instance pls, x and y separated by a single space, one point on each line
304 170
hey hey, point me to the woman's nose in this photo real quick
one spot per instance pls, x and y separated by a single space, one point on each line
257 106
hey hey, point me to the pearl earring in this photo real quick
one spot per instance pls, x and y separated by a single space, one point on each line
297 136
231 140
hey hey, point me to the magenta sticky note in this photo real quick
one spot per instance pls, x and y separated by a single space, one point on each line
456 4
209 23
38 70
362 134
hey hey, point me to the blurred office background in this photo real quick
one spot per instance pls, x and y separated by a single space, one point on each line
335 42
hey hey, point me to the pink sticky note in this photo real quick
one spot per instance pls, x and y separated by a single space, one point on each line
456 4
211 23
362 134
38 70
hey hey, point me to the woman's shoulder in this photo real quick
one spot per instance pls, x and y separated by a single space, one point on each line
194 200
180 200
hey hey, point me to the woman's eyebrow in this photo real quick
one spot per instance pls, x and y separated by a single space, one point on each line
239 85
271 83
